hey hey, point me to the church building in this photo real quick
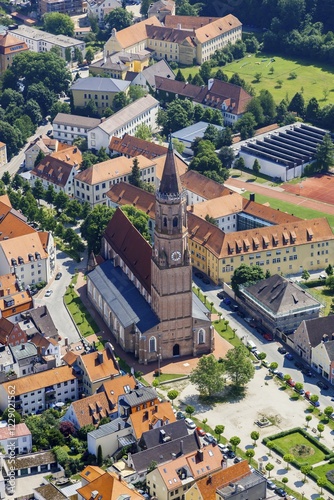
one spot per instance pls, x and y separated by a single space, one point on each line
144 294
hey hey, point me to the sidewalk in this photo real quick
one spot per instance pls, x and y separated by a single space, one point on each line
181 365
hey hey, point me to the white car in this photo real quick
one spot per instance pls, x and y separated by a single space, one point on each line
48 293
190 423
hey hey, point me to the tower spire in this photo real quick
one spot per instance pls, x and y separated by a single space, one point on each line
170 180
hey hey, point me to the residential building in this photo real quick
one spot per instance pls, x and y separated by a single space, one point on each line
48 349
142 295
34 463
173 43
112 437
171 432
3 149
110 486
235 477
130 147
313 340
10 333
66 128
25 357
97 367
17 437
56 173
39 320
200 188
91 185
283 153
171 480
88 411
161 9
14 301
230 99
136 400
224 211
100 8
42 144
41 41
47 491
99 90
68 7
114 388
125 121
118 64
35 393
278 304
151 417
187 135
146 78
10 46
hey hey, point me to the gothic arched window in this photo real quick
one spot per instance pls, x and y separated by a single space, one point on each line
201 336
153 344
175 221
165 221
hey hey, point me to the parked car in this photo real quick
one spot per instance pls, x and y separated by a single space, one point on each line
291 382
280 375
223 448
315 403
265 363
281 350
200 431
190 423
307 372
234 307
180 416
270 485
299 391
58 276
322 385
237 460
268 336
209 438
256 353
220 295
227 301
230 454
280 492
299 365
289 356
323 276
48 293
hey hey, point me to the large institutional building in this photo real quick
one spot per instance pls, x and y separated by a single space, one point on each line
144 295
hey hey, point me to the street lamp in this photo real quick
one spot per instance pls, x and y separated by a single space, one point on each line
303 494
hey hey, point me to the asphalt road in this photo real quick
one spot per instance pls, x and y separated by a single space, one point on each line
13 166
55 302
243 330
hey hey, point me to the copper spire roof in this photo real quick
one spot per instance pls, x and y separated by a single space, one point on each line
170 181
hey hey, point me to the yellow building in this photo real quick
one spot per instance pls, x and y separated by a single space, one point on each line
9 47
286 248
118 64
99 90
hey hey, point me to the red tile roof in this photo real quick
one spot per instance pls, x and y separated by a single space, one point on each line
208 485
53 170
124 193
133 146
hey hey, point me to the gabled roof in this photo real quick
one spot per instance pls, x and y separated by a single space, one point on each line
169 34
188 22
43 321
71 155
124 193
133 146
161 5
147 418
314 330
12 432
110 487
267 213
53 171
160 68
139 396
203 186
219 207
91 409
23 247
217 28
7 328
106 429
280 295
176 87
135 33
235 97
23 351
9 44
160 435
116 387
99 365
76 121
129 244
91 472
208 485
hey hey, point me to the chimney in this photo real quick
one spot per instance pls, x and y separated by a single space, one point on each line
119 478
75 150
209 481
66 341
200 455
23 347
251 196
192 207
181 447
119 426
100 357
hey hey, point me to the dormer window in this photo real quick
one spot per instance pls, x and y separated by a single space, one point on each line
31 257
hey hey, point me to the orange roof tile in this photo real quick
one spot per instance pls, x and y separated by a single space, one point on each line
91 472
71 155
217 28
70 358
143 420
135 33
36 381
133 146
110 487
91 409
203 186
97 370
208 486
124 193
117 386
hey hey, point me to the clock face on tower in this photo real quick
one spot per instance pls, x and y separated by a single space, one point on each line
176 256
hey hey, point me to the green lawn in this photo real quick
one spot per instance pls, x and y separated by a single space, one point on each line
312 79
79 313
288 443
297 210
321 472
166 377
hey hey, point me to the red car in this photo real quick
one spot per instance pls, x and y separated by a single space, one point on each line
200 431
291 382
268 336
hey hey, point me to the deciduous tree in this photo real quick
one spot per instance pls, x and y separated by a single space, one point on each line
58 24
208 376
238 365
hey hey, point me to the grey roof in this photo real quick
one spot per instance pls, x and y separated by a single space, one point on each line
316 328
23 351
128 113
126 440
165 452
169 432
76 121
280 295
43 321
189 134
139 396
199 311
97 84
36 34
160 68
109 428
329 346
122 297
252 479
32 460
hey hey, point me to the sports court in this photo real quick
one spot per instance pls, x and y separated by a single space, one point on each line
319 187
